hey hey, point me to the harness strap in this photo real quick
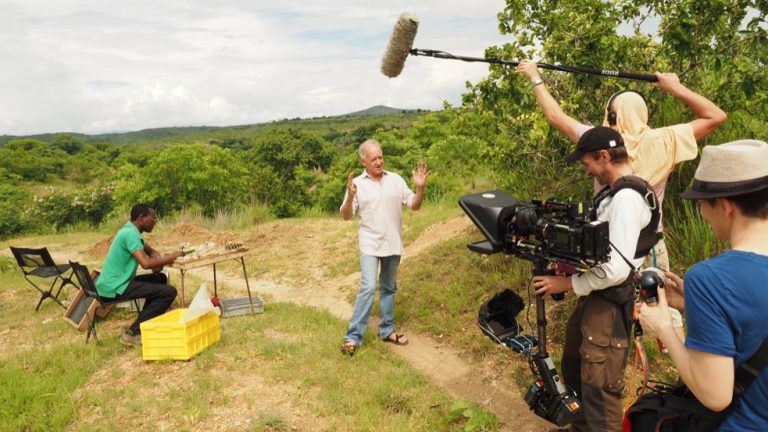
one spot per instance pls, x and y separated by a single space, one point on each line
750 369
649 235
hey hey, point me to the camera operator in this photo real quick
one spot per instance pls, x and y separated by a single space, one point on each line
653 152
597 333
724 297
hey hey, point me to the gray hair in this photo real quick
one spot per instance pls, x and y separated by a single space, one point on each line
365 145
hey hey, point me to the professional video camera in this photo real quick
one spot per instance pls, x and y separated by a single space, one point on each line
557 237
537 230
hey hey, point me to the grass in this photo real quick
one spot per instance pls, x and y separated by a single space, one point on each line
239 219
269 367
280 370
691 239
445 303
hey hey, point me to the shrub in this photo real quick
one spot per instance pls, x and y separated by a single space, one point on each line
60 209
12 216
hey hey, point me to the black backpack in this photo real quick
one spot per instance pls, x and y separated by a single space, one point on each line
676 409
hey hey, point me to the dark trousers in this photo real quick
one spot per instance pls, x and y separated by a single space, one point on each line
594 361
157 294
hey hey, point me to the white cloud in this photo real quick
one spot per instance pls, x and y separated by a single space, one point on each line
94 67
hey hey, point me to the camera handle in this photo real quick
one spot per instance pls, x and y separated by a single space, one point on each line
560 405
544 364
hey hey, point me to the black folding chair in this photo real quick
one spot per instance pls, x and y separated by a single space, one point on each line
89 287
38 263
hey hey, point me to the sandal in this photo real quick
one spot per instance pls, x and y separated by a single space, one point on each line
349 348
399 339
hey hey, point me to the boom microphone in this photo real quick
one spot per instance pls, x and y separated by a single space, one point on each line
399 45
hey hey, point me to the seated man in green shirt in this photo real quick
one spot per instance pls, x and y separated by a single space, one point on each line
118 278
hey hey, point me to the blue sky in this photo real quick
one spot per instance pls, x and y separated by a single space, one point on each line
104 66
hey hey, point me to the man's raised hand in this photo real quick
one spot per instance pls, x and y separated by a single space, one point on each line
420 175
351 187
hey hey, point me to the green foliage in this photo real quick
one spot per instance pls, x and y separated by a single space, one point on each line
691 238
717 47
6 264
331 192
180 176
288 166
477 420
13 219
59 208
67 143
31 159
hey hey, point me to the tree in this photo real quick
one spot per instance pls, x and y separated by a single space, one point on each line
288 166
67 143
196 175
717 47
32 159
13 201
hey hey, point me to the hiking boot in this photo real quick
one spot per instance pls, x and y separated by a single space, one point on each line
131 339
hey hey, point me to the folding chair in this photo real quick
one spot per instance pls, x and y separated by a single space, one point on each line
38 263
89 287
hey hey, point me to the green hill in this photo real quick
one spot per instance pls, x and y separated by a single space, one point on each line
381 110
323 125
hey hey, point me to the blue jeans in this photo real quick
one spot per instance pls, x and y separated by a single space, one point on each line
369 270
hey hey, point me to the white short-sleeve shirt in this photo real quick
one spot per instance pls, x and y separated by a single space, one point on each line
380 207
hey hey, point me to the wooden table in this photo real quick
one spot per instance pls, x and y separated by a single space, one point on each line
183 266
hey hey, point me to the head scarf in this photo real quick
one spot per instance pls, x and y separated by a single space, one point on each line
653 153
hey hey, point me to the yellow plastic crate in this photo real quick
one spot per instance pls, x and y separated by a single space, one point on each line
165 338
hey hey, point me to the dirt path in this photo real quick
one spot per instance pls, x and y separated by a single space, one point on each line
292 259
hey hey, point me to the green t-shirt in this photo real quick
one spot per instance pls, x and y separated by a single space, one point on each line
120 266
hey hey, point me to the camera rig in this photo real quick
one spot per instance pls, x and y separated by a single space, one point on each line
557 238
550 231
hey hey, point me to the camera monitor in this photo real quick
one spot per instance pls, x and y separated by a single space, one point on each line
489 211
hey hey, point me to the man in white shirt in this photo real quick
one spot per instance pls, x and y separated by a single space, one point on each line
597 333
378 196
653 152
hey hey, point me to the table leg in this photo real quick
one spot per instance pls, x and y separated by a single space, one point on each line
247 285
215 289
181 299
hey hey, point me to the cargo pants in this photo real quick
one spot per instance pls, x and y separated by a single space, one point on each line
594 361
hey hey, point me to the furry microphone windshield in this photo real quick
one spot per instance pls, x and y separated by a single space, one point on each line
399 45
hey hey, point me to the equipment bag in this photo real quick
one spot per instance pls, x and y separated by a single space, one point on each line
676 409
671 409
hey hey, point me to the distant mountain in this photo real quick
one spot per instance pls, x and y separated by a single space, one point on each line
382 110
123 138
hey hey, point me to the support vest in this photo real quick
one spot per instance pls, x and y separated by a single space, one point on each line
649 235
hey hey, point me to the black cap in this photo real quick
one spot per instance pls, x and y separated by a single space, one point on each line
597 138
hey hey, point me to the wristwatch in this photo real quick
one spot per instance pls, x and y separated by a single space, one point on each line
537 81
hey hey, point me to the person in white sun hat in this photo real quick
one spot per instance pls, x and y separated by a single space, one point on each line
725 298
